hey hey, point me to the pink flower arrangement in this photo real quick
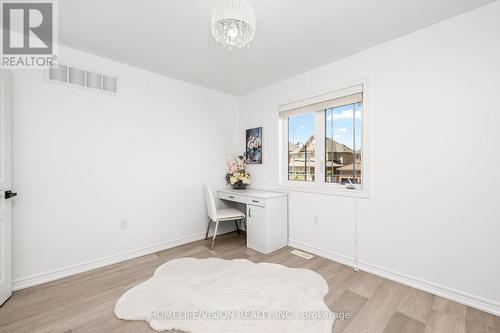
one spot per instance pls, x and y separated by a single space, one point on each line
236 175
233 166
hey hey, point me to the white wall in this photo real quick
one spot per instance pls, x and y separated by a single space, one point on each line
433 214
85 160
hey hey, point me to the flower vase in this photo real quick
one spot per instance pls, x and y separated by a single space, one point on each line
239 186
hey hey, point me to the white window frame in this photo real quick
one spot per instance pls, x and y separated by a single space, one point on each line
319 185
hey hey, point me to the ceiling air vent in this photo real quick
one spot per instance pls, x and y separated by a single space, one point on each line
59 73
78 77
94 80
109 84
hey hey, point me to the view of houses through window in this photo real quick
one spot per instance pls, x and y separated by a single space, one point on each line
301 147
342 145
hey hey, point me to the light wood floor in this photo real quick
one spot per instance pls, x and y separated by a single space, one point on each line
84 302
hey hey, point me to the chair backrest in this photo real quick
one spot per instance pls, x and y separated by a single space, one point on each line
209 199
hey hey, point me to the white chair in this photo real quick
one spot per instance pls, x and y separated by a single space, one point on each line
219 215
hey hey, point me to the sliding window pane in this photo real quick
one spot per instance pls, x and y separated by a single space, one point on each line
358 130
343 144
301 147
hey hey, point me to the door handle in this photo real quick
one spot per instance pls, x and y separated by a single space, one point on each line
250 212
9 194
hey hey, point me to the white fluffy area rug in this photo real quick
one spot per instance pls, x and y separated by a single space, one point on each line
234 296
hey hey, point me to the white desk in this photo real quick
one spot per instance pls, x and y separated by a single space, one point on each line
267 217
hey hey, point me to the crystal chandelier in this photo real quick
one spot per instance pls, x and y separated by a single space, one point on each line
233 23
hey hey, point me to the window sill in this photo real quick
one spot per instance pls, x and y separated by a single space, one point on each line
324 189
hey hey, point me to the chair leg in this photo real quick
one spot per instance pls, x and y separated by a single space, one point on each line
215 234
208 229
237 227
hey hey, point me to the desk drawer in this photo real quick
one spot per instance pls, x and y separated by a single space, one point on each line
232 197
256 201
242 199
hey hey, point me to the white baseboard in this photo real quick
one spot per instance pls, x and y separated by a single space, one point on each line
57 274
433 288
430 287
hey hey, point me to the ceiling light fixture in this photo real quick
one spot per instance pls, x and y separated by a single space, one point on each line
233 23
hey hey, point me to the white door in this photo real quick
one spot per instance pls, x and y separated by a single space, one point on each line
256 228
5 187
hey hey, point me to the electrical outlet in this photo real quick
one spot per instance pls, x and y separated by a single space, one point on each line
123 224
316 220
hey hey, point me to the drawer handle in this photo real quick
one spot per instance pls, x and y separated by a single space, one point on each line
256 201
231 197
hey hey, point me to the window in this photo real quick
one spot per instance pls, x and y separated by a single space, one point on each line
322 141
301 147
343 144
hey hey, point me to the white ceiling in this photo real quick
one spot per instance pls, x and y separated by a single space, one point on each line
173 37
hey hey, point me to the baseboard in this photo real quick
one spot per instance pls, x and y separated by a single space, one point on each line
57 274
433 288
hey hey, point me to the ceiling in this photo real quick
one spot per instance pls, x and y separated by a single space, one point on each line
173 37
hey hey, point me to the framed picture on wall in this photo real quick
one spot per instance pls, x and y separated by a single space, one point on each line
253 141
